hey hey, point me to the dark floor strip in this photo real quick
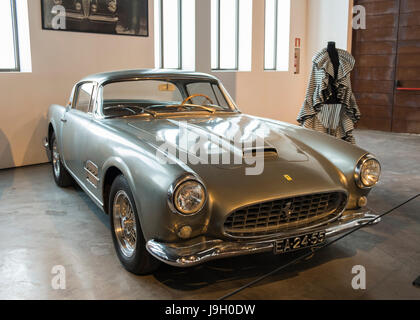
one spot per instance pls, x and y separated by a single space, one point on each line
316 249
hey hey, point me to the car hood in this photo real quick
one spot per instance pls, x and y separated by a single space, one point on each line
237 135
293 167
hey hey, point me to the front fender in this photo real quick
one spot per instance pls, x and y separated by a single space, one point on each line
342 155
55 114
149 182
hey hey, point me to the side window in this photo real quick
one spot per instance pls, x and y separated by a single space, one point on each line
84 96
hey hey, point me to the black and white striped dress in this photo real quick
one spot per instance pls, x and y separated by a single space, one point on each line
334 119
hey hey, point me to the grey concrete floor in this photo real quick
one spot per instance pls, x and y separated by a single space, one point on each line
42 226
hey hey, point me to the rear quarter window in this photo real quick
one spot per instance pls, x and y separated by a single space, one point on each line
84 97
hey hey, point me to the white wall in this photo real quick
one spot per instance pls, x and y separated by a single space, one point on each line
277 95
59 59
328 20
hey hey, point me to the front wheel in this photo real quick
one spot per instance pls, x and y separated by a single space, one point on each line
61 176
126 230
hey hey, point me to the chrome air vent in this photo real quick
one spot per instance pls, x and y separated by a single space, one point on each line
266 151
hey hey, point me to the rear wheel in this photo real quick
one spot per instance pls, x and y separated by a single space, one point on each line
61 176
126 231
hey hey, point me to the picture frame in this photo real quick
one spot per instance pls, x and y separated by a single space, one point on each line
116 17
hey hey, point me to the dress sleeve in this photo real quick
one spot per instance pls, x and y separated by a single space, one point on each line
307 109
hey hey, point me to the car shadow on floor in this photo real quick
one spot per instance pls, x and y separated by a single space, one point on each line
102 217
230 271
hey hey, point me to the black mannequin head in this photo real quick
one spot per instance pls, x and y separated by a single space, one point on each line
331 46
333 53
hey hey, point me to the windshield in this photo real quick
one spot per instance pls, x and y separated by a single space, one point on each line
127 98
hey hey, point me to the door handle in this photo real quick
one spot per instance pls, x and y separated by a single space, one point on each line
63 120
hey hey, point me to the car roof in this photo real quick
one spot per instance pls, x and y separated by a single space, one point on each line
145 74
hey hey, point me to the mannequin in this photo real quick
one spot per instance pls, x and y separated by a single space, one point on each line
333 53
330 106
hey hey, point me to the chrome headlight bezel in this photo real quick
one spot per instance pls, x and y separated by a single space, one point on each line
359 168
175 187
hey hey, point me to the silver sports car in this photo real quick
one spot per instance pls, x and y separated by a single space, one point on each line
185 177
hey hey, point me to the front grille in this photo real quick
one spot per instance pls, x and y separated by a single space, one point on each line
285 214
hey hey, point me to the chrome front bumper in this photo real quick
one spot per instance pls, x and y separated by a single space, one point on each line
202 249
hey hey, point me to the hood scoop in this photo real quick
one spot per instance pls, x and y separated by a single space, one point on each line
262 151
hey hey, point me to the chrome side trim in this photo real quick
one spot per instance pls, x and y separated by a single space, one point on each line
202 249
95 199
91 171
92 168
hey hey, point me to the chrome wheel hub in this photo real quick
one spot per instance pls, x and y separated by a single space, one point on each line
56 159
124 223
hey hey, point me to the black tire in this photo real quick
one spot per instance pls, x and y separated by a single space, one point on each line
61 176
140 262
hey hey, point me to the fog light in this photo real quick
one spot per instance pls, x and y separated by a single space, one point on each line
362 202
185 232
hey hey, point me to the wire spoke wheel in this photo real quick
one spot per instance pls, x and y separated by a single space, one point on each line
124 223
56 159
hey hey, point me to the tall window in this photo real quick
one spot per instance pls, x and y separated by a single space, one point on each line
231 34
9 49
175 34
277 35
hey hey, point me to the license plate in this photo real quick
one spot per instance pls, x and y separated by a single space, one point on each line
299 242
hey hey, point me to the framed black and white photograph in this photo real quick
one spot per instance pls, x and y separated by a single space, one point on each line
122 17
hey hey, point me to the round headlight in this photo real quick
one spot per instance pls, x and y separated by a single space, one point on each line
368 171
189 197
94 8
78 6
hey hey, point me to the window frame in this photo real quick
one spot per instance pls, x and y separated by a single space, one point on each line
276 35
13 13
161 42
236 67
276 17
92 98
